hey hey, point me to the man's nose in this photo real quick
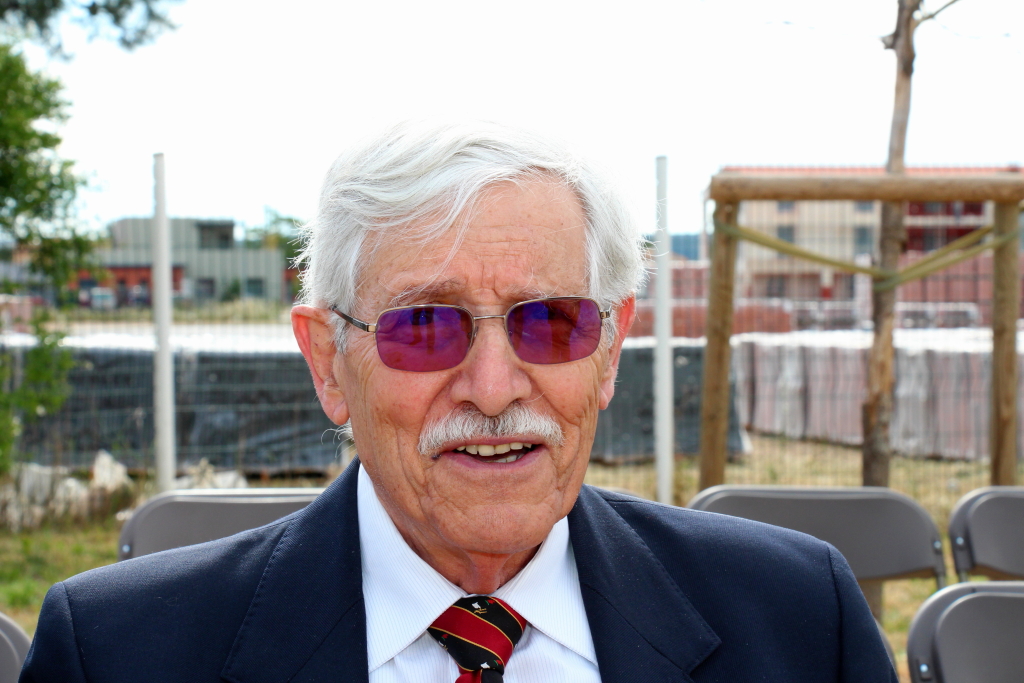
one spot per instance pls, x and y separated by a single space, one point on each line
492 377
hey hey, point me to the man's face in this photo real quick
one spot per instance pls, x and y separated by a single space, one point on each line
526 241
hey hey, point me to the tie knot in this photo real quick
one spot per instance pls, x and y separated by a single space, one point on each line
479 632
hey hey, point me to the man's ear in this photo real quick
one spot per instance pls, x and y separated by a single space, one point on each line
624 317
315 336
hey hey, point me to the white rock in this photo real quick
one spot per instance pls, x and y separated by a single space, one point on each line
36 483
108 475
204 476
231 479
70 499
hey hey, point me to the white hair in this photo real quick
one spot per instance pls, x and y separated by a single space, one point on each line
416 181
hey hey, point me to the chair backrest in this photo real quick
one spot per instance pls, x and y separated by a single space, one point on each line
180 518
14 644
986 533
10 662
980 639
921 656
883 534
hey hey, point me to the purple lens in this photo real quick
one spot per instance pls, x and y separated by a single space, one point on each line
423 338
553 331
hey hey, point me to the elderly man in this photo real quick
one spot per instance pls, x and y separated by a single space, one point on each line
467 292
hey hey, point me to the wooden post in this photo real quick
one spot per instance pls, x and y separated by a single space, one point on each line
1005 310
714 404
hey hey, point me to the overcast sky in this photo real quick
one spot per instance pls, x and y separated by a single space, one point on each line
251 101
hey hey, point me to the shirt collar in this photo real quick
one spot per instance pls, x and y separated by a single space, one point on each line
404 595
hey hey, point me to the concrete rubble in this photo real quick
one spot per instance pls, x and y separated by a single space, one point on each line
204 476
37 493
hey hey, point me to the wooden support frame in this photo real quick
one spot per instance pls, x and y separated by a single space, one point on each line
1005 307
729 189
714 399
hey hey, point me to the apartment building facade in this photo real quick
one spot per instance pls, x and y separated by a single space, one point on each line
208 263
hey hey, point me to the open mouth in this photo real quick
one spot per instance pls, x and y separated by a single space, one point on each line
497 453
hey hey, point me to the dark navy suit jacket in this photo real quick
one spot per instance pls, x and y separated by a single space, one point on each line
671 595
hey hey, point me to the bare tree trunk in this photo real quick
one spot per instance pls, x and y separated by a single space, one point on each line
877 410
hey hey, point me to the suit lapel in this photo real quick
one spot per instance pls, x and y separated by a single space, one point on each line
306 621
644 628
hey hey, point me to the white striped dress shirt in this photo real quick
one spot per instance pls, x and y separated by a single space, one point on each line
404 595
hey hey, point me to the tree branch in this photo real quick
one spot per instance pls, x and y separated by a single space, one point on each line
932 15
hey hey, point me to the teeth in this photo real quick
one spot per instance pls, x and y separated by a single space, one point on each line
488 450
508 458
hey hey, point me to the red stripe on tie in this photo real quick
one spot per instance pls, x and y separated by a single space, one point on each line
472 628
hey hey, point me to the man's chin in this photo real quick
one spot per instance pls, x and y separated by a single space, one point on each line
504 529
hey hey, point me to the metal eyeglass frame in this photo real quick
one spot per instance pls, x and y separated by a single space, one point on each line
372 327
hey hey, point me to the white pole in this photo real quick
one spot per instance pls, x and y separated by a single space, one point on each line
163 361
664 419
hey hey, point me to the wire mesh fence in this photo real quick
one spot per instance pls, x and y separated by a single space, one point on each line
801 336
244 398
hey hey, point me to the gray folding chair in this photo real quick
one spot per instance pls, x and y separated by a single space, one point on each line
883 534
946 645
14 644
986 530
10 663
17 638
179 518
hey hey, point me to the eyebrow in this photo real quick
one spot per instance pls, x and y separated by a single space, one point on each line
434 291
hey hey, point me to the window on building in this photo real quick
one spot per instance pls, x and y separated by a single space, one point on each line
776 288
254 287
786 207
216 234
786 233
863 207
206 288
863 240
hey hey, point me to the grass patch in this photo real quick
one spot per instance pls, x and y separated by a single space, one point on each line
31 562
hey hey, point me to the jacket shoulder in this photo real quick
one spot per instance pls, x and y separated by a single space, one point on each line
772 595
187 600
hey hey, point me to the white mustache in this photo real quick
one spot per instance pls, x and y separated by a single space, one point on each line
468 424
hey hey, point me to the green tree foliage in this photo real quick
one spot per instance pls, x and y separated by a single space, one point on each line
133 22
37 187
34 387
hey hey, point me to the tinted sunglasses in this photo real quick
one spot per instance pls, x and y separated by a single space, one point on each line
438 337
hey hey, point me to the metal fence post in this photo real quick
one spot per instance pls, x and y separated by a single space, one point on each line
664 393
163 359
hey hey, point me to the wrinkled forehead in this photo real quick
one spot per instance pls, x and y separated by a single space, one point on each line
522 241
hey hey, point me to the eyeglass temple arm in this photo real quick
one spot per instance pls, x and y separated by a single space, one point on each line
365 327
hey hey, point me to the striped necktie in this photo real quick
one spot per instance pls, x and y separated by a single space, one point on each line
479 633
